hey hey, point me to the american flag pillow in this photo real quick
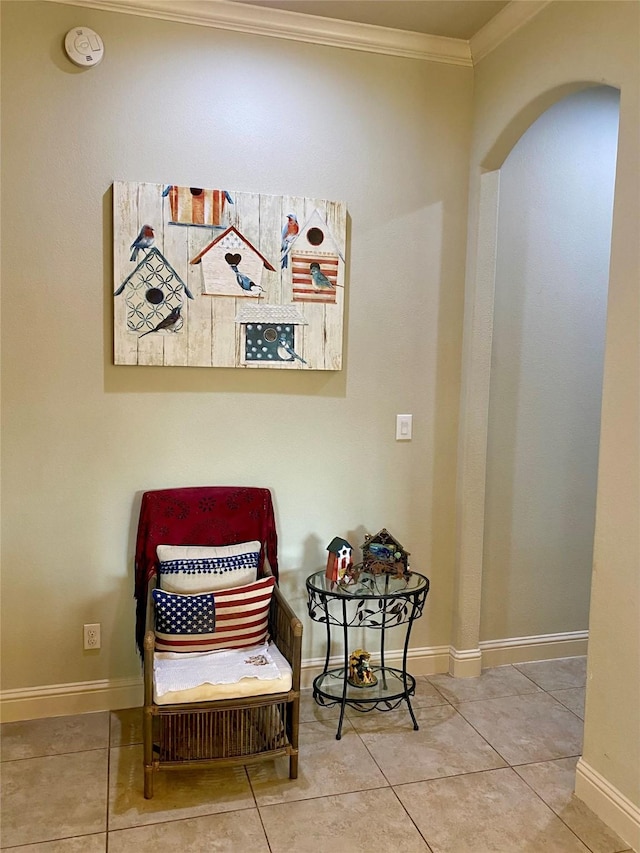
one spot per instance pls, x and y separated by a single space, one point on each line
224 619
199 568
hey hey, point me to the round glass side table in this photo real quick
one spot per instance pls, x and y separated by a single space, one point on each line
372 601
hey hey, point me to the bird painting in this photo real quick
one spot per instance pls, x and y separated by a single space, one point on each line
167 323
245 282
286 351
289 233
319 278
144 240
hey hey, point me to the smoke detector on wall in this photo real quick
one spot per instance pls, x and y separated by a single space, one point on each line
84 46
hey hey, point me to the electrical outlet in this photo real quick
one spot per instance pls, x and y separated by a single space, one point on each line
92 636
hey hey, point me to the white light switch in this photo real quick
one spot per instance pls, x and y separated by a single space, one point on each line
403 427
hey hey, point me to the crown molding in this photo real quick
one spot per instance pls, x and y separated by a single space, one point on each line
503 25
259 20
312 29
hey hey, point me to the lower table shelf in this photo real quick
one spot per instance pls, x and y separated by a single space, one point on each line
392 688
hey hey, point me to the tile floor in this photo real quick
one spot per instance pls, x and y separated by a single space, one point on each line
490 770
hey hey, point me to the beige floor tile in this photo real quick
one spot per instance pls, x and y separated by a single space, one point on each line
490 812
554 781
56 796
556 674
327 766
526 728
81 844
494 683
351 823
572 698
54 736
180 793
233 832
444 745
126 727
310 710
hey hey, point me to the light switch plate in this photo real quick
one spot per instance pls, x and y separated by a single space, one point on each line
404 427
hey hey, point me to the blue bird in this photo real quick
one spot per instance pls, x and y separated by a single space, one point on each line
286 351
144 240
289 233
245 282
319 278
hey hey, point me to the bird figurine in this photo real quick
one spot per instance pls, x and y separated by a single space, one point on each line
144 240
319 278
245 282
290 231
169 321
286 351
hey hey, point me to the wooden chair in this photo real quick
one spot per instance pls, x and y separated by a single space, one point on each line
239 730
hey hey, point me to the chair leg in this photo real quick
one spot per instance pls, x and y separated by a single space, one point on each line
147 739
295 723
293 766
148 782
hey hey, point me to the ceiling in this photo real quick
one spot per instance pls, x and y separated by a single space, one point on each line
451 18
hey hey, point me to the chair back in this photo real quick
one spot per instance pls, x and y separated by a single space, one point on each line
200 515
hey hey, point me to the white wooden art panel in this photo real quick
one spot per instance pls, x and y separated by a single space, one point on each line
216 278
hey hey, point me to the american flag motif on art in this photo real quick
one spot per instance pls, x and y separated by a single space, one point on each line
233 618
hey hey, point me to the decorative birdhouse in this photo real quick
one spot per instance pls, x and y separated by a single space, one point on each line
383 554
315 257
269 335
152 292
339 560
197 206
232 266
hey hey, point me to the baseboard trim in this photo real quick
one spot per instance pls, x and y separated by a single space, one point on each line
82 697
61 700
429 660
540 647
611 806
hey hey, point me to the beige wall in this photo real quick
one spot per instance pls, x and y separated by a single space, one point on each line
82 438
552 275
568 44
390 136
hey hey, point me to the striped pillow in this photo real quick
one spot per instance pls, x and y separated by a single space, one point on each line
198 568
224 619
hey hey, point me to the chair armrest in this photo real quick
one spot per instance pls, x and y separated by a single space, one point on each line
285 630
149 644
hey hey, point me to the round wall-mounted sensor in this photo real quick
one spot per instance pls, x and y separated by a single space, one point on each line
84 46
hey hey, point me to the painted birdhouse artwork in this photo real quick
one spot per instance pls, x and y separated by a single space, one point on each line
232 266
217 278
316 262
153 293
197 206
269 335
339 561
383 554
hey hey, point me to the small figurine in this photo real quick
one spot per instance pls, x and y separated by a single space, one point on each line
360 674
339 562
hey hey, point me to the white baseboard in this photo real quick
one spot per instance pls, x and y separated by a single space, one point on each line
541 647
465 663
612 807
425 661
61 700
58 700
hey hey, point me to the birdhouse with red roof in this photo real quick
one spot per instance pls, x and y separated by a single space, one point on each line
232 266
315 262
339 560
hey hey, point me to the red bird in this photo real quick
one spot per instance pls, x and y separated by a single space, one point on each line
144 240
289 234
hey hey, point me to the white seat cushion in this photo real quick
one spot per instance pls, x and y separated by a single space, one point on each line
228 674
